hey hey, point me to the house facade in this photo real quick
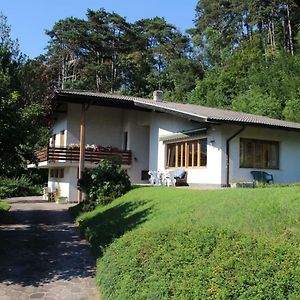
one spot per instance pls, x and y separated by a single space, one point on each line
216 147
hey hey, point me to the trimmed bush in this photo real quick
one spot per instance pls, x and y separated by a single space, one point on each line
4 206
18 187
167 243
198 263
103 184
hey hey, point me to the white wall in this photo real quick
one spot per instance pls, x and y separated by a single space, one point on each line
162 125
289 152
72 179
67 185
59 125
212 173
60 184
136 123
103 125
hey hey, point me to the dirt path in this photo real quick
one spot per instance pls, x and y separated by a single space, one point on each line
42 255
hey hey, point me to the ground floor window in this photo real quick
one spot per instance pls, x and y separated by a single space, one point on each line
187 154
57 173
259 154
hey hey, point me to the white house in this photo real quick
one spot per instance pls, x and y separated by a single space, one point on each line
215 146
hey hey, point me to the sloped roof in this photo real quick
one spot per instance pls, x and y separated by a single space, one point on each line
191 111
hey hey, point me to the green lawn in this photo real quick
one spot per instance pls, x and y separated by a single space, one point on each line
4 206
166 243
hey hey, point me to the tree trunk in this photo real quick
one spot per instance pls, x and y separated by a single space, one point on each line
284 33
273 29
98 74
290 35
269 32
112 75
63 70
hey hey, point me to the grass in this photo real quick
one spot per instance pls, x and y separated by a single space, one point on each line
166 243
4 206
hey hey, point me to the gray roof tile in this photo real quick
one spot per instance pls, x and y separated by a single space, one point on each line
208 114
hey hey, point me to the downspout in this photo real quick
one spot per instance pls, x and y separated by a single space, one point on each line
227 154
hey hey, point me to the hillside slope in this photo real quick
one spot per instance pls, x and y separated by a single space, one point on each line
166 243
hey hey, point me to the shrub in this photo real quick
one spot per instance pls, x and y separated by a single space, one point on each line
103 184
198 263
4 207
38 177
17 187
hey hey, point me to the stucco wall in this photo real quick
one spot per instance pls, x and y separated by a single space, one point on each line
72 179
59 125
211 174
289 151
162 125
67 186
61 184
103 125
136 123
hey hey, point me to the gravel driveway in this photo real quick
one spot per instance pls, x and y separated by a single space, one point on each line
42 255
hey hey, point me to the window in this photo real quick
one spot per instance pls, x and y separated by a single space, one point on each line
61 173
259 154
187 154
57 173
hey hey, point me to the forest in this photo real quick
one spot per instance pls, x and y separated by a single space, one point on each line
239 55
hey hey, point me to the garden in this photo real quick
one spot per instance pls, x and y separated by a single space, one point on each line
30 184
168 243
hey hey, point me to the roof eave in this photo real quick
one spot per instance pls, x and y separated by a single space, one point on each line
185 115
251 124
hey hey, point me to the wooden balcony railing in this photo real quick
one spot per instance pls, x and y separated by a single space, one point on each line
63 154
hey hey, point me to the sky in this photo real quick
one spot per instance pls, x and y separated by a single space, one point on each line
30 18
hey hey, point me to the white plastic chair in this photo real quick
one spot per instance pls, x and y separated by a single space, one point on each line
168 179
154 178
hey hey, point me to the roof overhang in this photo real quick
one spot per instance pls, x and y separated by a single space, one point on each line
123 102
191 112
184 135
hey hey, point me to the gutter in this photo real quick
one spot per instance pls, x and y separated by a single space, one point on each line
228 152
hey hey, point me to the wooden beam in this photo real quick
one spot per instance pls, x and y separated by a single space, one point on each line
82 146
181 153
199 154
176 156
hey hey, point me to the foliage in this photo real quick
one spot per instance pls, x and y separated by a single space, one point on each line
198 263
17 187
38 177
22 88
103 184
183 74
4 206
236 50
251 56
108 54
292 110
169 243
256 102
222 26
252 83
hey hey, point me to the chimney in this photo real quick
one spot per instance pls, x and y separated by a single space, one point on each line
158 96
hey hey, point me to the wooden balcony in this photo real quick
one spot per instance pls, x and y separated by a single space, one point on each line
64 154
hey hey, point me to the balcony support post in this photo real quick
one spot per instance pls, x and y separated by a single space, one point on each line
84 108
47 154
